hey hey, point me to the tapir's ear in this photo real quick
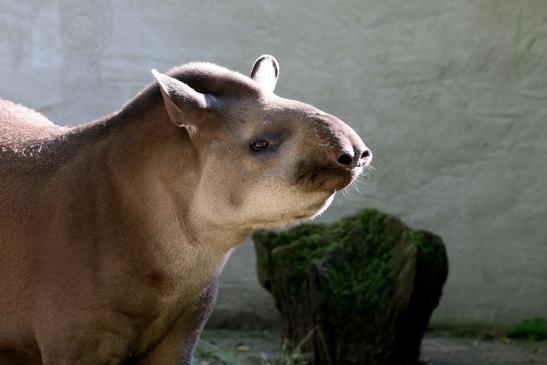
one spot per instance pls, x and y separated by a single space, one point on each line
182 102
265 72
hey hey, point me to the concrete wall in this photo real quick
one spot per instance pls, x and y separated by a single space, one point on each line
450 95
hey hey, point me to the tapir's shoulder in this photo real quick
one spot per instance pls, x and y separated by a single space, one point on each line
21 126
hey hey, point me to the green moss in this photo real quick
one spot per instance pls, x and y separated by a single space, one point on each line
529 329
274 239
298 261
361 274
430 252
358 275
358 257
420 239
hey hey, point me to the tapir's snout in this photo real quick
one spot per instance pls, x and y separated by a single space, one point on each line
348 151
340 154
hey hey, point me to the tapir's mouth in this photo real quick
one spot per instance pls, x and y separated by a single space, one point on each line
326 178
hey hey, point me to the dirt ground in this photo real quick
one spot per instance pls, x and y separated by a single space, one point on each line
227 347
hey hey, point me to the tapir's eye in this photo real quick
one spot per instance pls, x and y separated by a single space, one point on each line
259 145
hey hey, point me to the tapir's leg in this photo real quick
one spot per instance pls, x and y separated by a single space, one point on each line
91 351
77 340
101 350
13 357
177 346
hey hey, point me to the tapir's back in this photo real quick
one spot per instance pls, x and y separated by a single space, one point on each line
21 127
27 139
24 137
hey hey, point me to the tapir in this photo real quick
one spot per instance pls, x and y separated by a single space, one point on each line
113 234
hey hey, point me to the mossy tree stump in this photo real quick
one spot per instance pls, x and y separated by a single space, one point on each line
358 291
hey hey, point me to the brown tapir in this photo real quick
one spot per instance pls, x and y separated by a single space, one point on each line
113 234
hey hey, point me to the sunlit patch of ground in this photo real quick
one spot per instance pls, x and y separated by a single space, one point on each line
228 347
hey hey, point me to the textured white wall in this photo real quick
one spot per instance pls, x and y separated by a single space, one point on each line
450 95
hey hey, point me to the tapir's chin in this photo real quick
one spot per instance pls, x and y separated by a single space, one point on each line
314 209
306 212
323 207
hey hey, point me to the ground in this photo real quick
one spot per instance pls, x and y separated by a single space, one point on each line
228 347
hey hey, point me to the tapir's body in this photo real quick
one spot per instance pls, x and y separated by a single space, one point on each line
113 234
73 242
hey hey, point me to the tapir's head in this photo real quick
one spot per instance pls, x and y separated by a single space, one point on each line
264 161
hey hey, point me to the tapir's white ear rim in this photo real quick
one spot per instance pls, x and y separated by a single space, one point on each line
181 100
155 73
266 72
179 92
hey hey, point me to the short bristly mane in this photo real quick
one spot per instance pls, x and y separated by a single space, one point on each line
203 77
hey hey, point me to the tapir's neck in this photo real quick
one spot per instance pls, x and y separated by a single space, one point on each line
143 172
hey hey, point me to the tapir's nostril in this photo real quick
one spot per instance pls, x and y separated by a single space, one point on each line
350 161
345 159
365 154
